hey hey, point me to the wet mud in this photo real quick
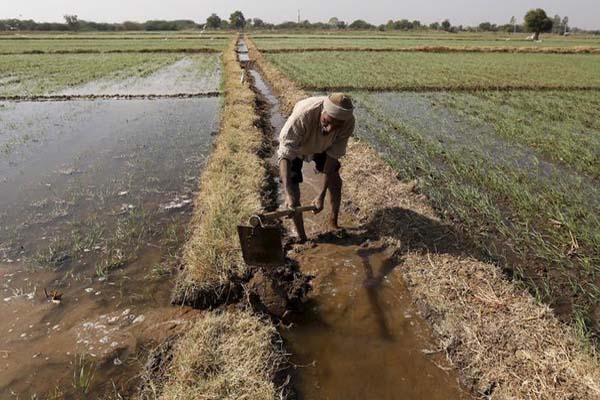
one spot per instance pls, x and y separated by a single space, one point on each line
95 197
360 335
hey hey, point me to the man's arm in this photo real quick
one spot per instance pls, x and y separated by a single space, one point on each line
285 167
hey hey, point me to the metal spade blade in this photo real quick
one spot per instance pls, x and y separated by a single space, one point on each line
261 245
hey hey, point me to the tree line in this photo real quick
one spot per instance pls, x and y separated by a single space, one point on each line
535 21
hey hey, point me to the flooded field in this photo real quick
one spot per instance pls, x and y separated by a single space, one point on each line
361 336
135 73
521 178
94 202
190 75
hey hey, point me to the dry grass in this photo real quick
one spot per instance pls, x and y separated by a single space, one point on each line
233 354
230 355
230 189
447 49
506 345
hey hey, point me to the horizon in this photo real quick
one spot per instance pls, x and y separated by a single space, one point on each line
460 12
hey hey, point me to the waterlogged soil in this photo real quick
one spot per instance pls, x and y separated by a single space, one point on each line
195 74
423 114
360 336
94 202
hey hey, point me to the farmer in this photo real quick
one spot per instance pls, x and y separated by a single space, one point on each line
318 130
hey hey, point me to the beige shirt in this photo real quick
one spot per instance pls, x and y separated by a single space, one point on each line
302 136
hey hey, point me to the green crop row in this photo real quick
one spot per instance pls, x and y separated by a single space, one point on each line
275 42
107 44
45 74
414 71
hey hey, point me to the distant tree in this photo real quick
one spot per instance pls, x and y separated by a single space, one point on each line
237 20
333 22
213 22
556 24
72 21
513 22
360 25
403 24
224 24
446 25
435 26
258 23
131 26
487 27
537 21
565 25
389 25
416 24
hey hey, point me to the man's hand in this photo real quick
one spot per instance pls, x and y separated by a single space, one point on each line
318 203
289 201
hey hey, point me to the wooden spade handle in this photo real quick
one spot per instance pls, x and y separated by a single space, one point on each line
255 220
287 212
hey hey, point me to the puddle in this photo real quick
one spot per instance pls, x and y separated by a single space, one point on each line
94 205
361 336
195 74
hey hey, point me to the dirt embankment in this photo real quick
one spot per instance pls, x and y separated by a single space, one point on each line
504 343
230 352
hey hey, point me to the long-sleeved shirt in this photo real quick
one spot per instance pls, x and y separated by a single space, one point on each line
302 133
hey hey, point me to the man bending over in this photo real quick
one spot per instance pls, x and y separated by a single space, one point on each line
318 130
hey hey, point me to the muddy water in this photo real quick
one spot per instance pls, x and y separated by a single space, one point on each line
94 200
361 337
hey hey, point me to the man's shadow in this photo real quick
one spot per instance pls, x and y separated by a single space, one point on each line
413 232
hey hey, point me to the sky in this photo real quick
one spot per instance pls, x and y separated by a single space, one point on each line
582 13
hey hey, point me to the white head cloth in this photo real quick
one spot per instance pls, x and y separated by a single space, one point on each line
335 111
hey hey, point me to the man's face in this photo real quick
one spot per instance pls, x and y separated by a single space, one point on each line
329 124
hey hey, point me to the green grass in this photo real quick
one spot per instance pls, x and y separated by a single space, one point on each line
106 44
543 222
43 74
373 40
562 127
391 70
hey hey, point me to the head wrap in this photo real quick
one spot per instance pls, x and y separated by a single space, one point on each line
335 111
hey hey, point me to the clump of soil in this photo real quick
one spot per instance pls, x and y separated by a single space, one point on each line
278 291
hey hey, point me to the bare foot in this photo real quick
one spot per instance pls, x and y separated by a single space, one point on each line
333 225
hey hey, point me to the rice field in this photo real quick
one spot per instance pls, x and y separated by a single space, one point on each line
97 194
406 40
100 157
431 71
536 214
31 75
516 169
79 44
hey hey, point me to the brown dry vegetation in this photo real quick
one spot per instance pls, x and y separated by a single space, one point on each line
233 353
506 344
229 355
230 191
446 49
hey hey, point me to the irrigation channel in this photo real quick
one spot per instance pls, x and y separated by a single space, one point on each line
360 335
95 197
